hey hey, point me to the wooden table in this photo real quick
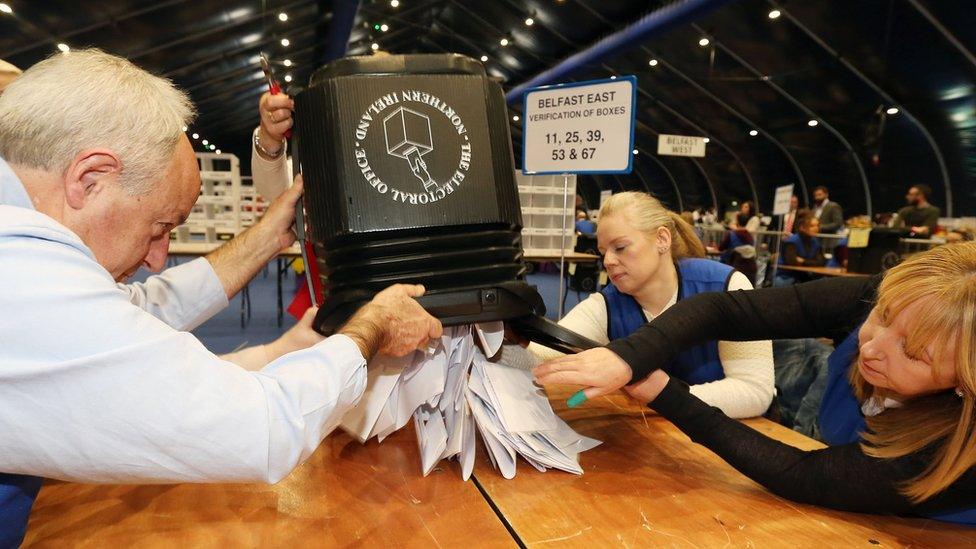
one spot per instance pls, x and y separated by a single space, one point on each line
821 271
196 249
345 494
647 485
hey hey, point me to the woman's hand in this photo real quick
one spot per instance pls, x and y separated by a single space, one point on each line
298 337
646 390
599 370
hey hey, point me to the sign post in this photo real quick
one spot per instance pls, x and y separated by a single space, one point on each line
781 207
578 128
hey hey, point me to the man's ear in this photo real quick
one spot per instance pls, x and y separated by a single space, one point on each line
88 174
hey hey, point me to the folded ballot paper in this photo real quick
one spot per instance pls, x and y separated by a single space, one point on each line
456 390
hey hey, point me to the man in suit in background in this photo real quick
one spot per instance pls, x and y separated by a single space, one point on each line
830 214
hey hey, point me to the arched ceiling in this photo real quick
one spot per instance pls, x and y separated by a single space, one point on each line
841 63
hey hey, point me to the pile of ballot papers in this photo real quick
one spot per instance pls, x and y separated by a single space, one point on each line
454 389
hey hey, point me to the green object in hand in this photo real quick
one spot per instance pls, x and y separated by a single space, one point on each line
579 397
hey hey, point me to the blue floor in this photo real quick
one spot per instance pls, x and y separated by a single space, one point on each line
223 332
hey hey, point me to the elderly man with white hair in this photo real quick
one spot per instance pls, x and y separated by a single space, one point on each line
8 73
100 381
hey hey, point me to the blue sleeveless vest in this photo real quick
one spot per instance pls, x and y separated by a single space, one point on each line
801 248
699 364
734 242
17 493
841 421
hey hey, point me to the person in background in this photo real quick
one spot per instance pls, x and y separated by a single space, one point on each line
900 399
8 73
919 216
271 173
802 249
101 381
747 211
654 260
830 214
583 224
738 249
789 220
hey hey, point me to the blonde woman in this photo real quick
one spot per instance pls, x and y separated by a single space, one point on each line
900 406
654 260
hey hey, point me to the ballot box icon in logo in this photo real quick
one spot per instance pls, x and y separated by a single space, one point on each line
409 178
408 136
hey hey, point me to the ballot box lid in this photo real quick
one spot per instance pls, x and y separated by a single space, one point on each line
432 63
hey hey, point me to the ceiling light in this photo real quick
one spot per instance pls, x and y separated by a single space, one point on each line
287 78
282 16
892 110
5 8
64 47
374 46
484 58
184 128
705 140
213 147
205 142
384 27
529 21
217 151
703 42
774 14
753 133
614 77
515 118
287 62
394 3
812 123
196 136
652 62
635 151
503 41
285 42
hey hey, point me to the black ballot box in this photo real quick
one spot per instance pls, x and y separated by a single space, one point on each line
409 178
881 253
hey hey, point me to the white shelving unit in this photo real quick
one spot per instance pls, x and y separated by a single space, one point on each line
252 204
217 212
543 214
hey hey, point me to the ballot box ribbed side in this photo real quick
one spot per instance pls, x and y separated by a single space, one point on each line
409 174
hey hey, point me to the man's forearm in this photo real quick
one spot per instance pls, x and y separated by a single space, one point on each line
237 261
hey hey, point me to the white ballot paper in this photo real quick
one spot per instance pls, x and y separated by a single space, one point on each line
456 390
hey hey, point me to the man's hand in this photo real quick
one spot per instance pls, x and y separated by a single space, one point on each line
393 323
600 370
237 261
276 223
276 119
298 337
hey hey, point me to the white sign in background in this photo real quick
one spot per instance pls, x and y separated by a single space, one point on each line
585 127
781 202
680 145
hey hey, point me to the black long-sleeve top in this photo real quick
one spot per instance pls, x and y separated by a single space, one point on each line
840 477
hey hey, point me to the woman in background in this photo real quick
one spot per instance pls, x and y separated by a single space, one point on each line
654 260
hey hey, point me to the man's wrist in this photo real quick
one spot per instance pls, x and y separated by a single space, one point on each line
266 244
364 333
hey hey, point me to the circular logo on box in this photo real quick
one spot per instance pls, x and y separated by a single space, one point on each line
423 154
